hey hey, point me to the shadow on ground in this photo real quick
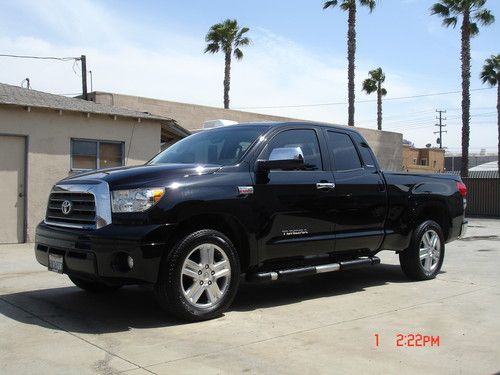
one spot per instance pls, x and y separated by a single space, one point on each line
73 310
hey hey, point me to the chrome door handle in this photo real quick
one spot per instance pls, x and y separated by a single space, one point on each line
325 185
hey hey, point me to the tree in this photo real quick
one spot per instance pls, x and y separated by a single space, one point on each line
491 75
374 84
350 7
227 37
473 14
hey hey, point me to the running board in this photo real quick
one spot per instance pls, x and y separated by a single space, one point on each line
312 270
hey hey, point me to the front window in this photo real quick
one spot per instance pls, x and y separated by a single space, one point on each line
223 146
93 154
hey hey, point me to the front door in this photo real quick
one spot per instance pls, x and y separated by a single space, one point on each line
12 164
294 211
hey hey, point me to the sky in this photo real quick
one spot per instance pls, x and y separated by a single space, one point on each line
296 65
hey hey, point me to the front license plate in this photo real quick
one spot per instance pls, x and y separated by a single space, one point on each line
56 263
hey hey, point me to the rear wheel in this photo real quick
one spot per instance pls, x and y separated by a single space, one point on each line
92 285
424 258
199 278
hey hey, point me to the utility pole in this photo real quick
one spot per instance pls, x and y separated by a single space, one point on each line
83 59
441 126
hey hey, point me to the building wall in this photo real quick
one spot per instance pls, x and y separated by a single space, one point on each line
423 159
386 145
49 135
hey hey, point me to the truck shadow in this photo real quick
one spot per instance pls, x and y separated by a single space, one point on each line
70 309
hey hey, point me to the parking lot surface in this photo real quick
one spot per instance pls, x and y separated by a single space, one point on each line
326 323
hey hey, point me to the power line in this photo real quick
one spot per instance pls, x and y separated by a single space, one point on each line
364 101
41 57
82 59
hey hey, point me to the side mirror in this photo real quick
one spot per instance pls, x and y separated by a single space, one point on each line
286 158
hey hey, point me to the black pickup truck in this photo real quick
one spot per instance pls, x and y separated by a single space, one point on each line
268 200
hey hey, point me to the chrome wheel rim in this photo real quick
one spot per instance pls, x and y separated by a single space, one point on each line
205 276
430 250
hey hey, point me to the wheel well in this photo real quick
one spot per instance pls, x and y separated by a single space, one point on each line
225 224
437 213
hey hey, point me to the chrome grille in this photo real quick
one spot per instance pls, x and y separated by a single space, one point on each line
90 203
82 210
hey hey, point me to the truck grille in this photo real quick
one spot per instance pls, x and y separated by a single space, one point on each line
71 209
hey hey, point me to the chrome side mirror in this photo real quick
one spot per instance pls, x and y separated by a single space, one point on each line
285 158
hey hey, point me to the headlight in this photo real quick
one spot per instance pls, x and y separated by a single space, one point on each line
135 200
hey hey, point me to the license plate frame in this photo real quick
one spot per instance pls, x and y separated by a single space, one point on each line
56 263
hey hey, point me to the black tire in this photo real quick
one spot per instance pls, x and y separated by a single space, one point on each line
411 263
169 290
92 285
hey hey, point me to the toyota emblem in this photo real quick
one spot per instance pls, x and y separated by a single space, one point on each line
66 207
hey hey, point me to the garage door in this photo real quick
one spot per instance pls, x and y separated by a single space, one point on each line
12 164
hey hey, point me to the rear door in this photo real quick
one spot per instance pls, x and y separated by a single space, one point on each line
294 211
360 199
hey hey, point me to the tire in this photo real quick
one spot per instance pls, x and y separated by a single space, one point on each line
187 288
92 285
424 258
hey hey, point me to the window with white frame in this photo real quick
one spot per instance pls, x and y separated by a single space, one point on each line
87 154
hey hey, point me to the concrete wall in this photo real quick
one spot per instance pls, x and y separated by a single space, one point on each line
49 135
386 145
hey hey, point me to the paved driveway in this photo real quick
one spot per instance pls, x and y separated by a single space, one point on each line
321 324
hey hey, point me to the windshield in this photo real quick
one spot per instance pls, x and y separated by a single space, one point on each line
223 146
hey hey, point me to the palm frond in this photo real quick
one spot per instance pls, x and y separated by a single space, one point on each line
473 29
368 3
242 42
330 4
369 85
238 54
484 17
384 92
440 9
212 48
491 70
450 21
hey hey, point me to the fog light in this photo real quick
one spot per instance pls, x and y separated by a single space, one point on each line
130 262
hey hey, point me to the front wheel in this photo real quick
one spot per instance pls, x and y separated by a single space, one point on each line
424 258
199 279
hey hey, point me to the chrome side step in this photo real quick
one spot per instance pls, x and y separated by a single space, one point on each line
312 270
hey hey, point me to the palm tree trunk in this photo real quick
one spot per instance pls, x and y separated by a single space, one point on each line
465 57
227 78
379 106
498 122
351 56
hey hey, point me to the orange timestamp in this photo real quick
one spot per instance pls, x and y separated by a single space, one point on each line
412 340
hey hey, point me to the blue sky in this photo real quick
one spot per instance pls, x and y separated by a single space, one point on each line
155 49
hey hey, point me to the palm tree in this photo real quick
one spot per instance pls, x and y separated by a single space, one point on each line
491 74
350 7
374 84
473 13
228 37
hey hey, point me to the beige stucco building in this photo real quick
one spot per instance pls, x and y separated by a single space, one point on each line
386 145
423 159
45 137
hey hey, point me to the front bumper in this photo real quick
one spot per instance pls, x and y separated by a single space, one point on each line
99 254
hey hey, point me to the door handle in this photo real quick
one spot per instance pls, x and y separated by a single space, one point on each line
325 185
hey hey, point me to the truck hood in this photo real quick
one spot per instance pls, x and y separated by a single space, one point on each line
149 175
